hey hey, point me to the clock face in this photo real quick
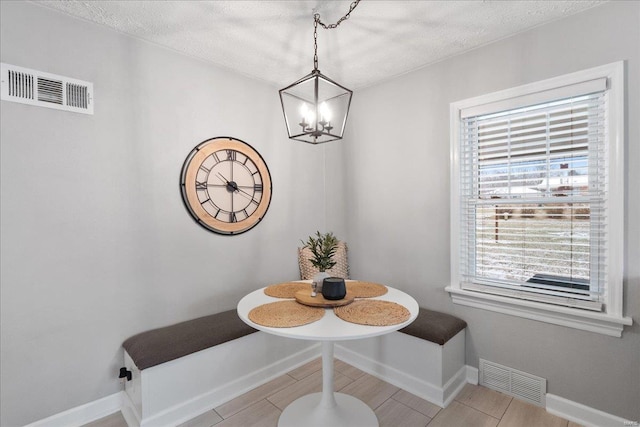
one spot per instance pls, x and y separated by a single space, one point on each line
226 185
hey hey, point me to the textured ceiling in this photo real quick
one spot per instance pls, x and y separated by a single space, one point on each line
273 40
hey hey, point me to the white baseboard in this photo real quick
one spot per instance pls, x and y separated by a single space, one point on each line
440 396
83 414
455 385
584 415
472 375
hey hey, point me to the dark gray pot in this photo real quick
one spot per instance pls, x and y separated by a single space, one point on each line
333 288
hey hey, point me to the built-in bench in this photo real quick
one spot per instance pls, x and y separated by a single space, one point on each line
426 358
182 370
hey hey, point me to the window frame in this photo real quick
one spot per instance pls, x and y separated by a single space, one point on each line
611 320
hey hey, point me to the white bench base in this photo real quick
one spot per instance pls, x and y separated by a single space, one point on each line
433 372
179 390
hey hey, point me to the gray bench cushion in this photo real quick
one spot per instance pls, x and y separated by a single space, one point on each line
435 326
161 345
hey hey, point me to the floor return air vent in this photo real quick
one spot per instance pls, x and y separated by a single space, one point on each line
42 89
515 383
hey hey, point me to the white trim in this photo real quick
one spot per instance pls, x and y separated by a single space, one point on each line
440 396
473 374
420 388
539 97
548 313
129 413
567 301
608 70
612 320
555 405
616 187
455 385
83 414
582 414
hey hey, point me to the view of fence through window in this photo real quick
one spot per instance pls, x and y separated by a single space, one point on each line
523 242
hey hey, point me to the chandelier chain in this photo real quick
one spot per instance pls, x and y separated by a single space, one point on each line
316 18
316 21
344 18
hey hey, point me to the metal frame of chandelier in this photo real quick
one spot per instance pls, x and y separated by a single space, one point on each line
315 107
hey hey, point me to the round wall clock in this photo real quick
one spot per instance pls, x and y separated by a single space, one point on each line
226 185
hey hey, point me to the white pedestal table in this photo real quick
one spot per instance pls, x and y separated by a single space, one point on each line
328 408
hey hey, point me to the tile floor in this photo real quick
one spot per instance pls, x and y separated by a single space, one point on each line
474 406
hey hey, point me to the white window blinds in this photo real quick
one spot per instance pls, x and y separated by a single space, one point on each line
533 188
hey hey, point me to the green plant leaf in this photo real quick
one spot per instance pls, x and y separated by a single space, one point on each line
323 247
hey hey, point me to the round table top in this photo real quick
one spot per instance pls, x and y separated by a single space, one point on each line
330 327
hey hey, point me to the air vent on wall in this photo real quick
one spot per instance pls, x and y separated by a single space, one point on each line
513 382
33 87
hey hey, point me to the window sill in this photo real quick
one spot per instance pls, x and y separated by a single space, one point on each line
565 316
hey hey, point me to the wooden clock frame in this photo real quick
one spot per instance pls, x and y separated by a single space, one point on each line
208 185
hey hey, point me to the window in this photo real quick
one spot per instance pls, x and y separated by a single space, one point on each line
537 206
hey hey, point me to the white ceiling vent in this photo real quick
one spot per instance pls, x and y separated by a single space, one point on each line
46 90
515 383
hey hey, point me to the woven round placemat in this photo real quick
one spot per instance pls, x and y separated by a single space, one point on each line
285 314
287 289
365 289
373 313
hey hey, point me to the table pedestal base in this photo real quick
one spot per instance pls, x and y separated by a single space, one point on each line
308 411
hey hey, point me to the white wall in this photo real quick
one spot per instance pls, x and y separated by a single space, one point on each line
96 242
397 197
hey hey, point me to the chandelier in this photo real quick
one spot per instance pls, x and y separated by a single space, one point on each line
315 107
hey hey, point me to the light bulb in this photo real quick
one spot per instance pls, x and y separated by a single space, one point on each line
325 112
308 116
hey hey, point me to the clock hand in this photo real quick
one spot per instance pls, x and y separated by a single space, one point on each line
244 193
234 186
219 175
230 187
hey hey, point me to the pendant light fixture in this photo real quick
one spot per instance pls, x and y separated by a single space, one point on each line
315 107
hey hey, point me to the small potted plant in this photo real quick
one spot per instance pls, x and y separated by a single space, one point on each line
323 247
